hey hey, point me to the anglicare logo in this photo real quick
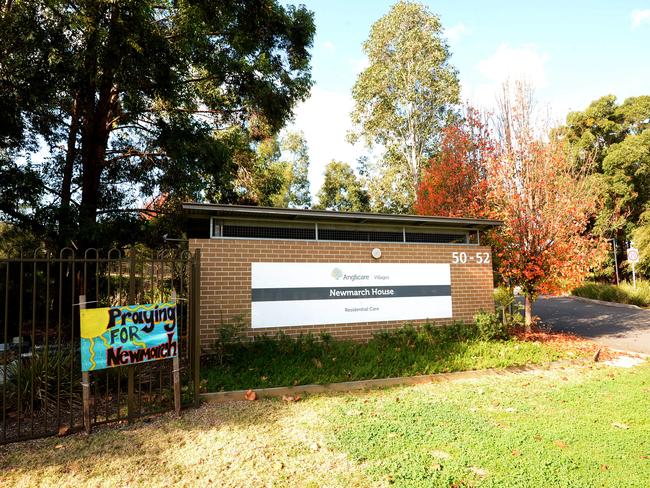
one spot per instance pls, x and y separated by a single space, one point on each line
337 273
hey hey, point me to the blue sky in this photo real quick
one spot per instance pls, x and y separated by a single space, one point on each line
571 51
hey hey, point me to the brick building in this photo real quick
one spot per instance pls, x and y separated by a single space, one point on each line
348 274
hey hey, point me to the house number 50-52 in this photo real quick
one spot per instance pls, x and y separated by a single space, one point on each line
464 258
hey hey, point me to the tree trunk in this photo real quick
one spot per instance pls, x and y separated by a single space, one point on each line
528 313
65 219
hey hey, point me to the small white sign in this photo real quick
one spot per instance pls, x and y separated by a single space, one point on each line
292 294
633 255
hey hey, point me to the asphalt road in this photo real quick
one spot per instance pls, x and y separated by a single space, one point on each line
618 327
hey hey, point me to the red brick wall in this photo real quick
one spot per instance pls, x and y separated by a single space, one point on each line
226 279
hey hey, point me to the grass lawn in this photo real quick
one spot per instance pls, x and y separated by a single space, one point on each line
580 426
407 352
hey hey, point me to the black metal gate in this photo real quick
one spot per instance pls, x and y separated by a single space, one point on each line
40 365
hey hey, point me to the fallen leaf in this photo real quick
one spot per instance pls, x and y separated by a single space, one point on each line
560 444
604 467
436 467
478 471
250 395
440 454
620 425
290 398
59 446
515 452
64 430
564 378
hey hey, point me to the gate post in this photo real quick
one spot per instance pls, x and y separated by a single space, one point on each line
196 324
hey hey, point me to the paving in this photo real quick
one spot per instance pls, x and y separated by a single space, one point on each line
616 326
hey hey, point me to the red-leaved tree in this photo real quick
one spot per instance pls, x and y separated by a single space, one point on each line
454 184
528 182
546 204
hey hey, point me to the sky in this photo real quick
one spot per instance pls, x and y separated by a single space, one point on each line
572 51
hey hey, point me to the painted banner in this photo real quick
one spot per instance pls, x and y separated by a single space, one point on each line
291 294
119 336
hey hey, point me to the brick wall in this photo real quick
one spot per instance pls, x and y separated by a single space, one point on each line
226 279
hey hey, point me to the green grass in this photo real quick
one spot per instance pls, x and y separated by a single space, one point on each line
584 426
582 430
284 361
623 293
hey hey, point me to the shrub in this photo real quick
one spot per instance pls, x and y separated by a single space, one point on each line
509 309
623 293
44 375
490 327
228 334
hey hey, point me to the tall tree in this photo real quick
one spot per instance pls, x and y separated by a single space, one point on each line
299 195
135 98
342 191
404 97
616 137
454 183
546 204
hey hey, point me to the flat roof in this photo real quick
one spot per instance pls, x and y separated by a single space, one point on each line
309 215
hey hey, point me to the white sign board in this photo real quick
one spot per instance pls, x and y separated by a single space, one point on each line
291 294
633 255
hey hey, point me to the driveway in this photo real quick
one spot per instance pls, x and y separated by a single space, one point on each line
618 327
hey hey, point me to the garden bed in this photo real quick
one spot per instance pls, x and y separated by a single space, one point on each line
284 361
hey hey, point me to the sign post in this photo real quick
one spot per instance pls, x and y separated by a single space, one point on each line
126 336
633 257
85 382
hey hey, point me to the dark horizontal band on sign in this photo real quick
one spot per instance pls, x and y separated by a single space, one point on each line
356 292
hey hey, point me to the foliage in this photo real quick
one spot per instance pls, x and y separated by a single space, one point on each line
138 99
228 335
298 194
641 239
623 293
490 327
341 190
283 361
404 97
508 307
454 184
616 138
44 375
546 205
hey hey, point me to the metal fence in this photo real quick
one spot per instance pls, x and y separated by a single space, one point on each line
40 365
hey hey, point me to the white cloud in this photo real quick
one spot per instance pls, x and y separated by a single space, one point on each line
455 32
324 118
640 17
515 63
329 45
525 63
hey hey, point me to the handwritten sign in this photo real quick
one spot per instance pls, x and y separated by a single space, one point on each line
119 336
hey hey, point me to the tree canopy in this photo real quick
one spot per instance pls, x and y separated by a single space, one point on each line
405 96
105 103
342 190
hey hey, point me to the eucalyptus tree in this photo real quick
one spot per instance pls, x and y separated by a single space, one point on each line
407 93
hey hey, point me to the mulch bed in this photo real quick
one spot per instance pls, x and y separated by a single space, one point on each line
568 342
